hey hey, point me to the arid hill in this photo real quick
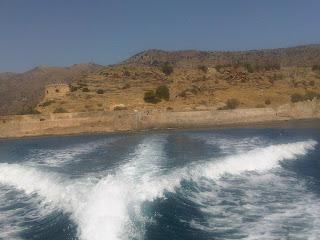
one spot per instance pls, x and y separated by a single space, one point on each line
136 87
180 80
307 55
20 93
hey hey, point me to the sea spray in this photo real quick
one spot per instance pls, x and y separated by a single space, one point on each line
102 210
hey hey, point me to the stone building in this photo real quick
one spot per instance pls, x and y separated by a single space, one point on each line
54 91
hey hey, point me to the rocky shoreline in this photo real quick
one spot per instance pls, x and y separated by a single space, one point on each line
116 121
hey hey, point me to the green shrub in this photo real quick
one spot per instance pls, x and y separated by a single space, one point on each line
232 103
47 103
297 97
249 67
311 95
100 91
167 69
85 89
60 110
316 68
219 68
203 68
82 84
162 92
275 77
73 88
126 73
272 66
312 83
150 97
267 102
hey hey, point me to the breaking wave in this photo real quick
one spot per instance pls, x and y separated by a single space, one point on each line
110 208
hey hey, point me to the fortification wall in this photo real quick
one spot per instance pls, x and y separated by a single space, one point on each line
56 90
71 123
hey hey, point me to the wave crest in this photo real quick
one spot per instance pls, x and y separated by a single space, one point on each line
102 210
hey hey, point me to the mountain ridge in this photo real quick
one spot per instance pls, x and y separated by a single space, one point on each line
290 56
20 93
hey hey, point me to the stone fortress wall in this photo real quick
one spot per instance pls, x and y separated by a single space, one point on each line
54 91
124 120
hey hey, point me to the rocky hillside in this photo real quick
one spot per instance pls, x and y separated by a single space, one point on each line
137 87
307 55
20 93
181 80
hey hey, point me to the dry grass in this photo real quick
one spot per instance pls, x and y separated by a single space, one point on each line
190 88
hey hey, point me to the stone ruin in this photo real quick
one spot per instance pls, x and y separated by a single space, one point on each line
54 91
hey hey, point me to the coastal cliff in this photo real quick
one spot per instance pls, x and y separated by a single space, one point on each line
114 121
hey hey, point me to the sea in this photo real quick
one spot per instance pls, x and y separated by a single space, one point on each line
234 183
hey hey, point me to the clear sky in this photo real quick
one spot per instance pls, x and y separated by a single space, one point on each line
64 32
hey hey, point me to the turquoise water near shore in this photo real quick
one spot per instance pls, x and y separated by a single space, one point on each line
248 183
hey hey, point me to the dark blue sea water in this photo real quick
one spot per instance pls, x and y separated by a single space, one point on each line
206 184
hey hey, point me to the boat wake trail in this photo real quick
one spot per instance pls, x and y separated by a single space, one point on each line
111 207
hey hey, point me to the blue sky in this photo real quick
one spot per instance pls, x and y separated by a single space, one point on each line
64 32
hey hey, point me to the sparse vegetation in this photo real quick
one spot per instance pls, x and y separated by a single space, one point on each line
275 77
297 97
249 67
167 69
81 84
203 68
126 73
272 66
60 110
311 95
100 91
190 81
316 68
73 88
162 92
125 86
267 102
232 103
47 103
312 83
219 68
151 97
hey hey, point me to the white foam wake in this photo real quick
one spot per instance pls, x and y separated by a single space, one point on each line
259 159
103 210
105 215
51 187
62 156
